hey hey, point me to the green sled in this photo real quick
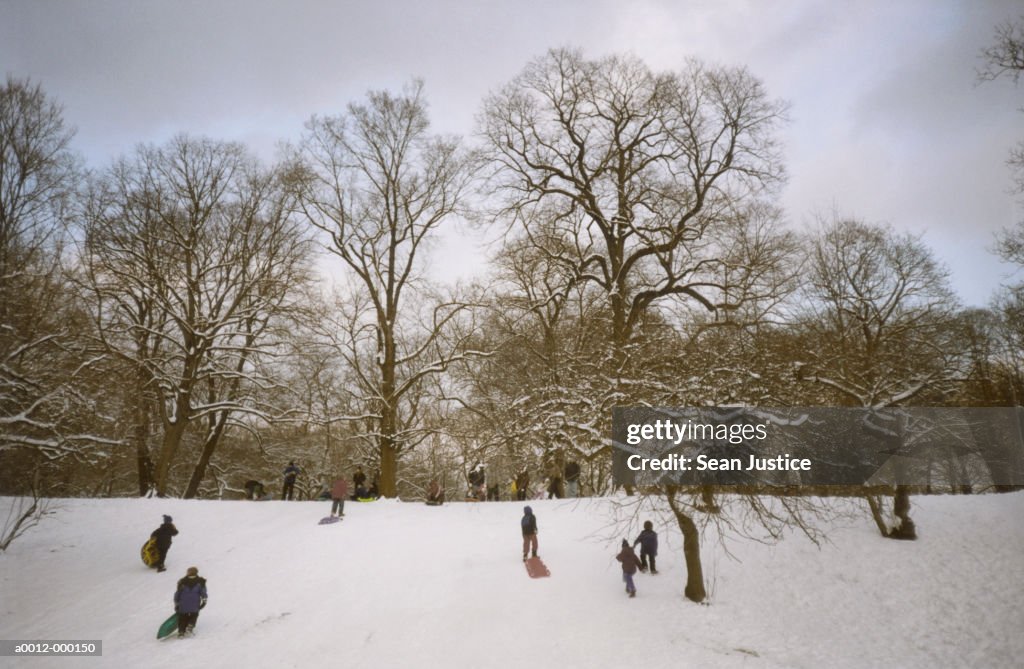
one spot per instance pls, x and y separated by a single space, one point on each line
170 625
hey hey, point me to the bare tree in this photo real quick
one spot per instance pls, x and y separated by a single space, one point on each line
42 411
192 257
648 176
379 185
881 329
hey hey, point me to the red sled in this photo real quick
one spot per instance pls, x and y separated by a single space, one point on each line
536 569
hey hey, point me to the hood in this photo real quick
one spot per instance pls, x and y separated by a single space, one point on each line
527 510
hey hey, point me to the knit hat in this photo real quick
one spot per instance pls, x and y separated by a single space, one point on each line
648 525
167 518
625 544
192 571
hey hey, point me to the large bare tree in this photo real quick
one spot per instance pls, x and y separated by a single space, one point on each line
653 182
380 186
192 256
43 411
882 328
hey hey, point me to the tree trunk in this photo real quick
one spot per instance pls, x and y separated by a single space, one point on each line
209 446
173 433
694 590
388 468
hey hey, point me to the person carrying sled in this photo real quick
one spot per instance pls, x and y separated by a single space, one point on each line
163 536
339 491
648 541
188 599
630 563
529 527
290 473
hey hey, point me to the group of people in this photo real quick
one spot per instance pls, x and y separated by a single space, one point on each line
648 541
561 482
190 594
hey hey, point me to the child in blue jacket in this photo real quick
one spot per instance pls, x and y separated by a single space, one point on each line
648 541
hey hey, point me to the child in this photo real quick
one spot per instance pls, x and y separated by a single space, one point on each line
188 599
629 562
648 541
529 526
163 536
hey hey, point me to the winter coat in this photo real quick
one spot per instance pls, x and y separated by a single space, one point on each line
359 478
630 562
340 489
163 534
290 472
529 522
572 471
190 595
648 541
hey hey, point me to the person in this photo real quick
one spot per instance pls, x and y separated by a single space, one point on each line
554 474
290 472
188 599
253 490
493 493
572 479
630 562
362 493
648 541
163 536
339 491
477 481
359 478
435 493
529 526
522 484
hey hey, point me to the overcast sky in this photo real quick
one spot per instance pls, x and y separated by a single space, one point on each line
887 123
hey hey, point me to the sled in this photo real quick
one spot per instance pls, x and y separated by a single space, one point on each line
170 626
329 519
536 569
150 553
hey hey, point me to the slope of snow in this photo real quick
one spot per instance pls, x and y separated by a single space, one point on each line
405 585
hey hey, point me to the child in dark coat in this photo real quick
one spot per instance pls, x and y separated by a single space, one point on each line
529 527
163 536
630 562
648 541
188 599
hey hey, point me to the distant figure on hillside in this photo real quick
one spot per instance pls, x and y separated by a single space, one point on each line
648 541
572 479
630 563
339 491
359 478
522 485
362 492
188 599
435 494
163 536
529 527
477 481
253 490
493 493
290 472
554 473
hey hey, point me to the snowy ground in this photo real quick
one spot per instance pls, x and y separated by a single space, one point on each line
405 585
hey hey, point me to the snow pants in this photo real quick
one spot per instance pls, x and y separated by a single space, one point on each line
529 540
644 556
338 507
186 620
288 490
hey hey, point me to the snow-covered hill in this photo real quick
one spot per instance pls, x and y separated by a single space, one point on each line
404 585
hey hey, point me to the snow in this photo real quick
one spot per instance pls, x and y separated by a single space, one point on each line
406 585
